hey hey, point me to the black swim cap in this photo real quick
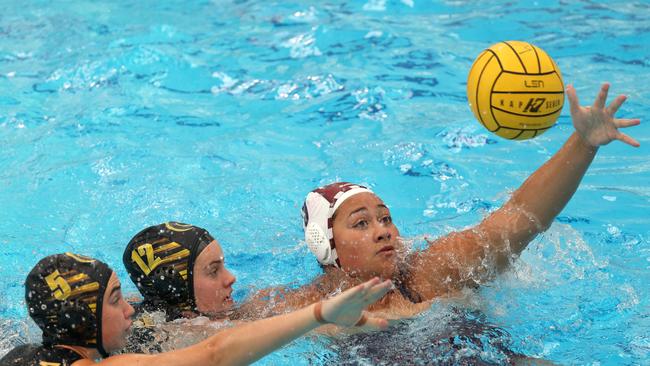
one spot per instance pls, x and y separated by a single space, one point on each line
64 295
160 261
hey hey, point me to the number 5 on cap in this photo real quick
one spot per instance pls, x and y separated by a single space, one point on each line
61 289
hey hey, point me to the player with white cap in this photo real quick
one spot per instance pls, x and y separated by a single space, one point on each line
350 230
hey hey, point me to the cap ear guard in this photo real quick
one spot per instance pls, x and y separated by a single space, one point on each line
315 213
318 243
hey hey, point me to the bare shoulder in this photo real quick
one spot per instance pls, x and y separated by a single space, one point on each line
277 300
298 297
293 297
443 267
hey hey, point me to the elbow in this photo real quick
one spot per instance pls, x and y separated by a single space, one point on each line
528 225
215 349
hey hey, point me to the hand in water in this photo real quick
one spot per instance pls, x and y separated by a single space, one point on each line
346 309
596 124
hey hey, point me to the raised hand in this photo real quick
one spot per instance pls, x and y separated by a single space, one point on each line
596 124
346 309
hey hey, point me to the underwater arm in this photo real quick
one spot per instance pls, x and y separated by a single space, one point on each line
247 343
476 254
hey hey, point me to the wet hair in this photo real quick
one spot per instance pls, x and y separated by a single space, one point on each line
64 295
160 261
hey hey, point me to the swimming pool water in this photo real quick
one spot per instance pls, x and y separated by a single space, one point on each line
115 116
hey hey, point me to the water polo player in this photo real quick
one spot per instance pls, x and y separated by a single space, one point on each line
179 268
77 302
352 234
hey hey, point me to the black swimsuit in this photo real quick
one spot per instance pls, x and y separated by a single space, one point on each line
458 339
37 355
452 336
412 296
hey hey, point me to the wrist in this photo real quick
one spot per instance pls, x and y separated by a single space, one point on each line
318 313
584 143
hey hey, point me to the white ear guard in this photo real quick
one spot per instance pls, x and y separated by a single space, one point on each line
316 212
318 243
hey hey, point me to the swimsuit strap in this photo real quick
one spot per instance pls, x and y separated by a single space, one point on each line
412 296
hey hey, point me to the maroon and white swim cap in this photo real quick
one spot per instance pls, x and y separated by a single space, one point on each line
317 212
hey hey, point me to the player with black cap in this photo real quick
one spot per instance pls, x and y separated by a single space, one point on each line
77 302
65 296
180 269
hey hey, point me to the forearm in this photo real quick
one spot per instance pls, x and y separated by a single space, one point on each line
547 191
243 344
249 342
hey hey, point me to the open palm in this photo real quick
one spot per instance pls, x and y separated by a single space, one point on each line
596 124
346 309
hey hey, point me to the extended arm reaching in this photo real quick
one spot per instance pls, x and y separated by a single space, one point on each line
247 343
475 255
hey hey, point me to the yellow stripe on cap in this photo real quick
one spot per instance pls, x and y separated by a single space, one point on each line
176 256
178 227
77 278
80 258
162 248
90 287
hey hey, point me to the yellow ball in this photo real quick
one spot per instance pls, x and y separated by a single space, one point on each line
515 90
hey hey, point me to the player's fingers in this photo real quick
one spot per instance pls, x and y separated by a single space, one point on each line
602 96
628 140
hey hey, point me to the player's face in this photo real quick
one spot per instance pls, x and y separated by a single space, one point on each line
367 242
212 281
116 316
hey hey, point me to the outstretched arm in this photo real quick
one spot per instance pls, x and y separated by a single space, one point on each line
475 255
247 343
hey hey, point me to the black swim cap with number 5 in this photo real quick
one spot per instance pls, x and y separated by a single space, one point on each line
64 295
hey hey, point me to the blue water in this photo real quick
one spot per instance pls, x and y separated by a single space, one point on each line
115 116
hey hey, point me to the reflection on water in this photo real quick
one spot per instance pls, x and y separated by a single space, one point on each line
15 333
